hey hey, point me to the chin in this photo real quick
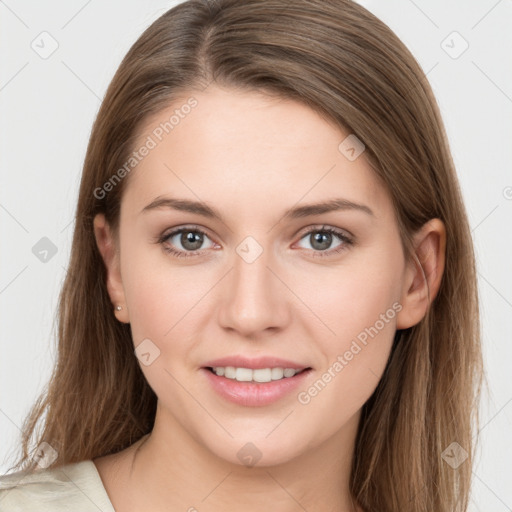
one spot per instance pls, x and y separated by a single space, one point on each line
258 452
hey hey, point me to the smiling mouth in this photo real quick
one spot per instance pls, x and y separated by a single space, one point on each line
262 375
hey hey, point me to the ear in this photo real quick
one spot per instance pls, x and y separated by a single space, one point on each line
423 273
110 254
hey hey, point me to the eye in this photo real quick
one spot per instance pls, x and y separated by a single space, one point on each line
190 239
321 239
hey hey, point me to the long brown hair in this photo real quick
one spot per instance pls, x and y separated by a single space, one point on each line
339 59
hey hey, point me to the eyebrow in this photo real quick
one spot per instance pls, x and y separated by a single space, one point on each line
297 212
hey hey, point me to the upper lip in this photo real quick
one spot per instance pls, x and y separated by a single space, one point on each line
255 363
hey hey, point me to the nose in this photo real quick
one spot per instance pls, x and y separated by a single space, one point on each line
254 297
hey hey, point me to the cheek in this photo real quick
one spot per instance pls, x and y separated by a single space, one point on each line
152 290
165 307
361 311
359 304
354 296
160 304
165 301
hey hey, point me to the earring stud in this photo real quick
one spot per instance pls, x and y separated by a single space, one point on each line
118 308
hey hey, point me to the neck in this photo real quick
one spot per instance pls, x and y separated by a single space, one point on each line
178 473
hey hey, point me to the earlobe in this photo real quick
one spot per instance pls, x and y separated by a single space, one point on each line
108 250
424 273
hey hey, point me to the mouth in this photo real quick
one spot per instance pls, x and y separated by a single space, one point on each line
255 387
261 375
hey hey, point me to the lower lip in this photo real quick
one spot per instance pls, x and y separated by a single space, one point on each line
254 394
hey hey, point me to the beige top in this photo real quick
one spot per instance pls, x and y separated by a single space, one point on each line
75 487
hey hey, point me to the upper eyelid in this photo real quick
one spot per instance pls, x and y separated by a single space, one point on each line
177 230
325 227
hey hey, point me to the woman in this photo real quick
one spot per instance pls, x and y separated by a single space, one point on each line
271 299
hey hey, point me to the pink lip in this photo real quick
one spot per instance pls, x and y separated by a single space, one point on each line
254 394
255 363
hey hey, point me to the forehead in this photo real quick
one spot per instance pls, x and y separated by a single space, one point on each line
247 151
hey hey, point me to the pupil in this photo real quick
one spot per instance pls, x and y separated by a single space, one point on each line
326 240
195 239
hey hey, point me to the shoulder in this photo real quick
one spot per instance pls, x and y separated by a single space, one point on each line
75 486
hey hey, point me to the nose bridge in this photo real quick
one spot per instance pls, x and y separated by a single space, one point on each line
255 299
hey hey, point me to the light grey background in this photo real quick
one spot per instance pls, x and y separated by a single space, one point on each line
47 109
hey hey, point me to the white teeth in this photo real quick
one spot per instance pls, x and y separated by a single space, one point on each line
243 374
277 373
229 372
262 375
259 375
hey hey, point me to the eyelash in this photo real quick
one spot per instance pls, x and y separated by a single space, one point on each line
317 254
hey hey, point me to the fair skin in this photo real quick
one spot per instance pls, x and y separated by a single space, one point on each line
251 157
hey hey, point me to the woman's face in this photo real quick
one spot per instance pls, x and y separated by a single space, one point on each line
257 286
